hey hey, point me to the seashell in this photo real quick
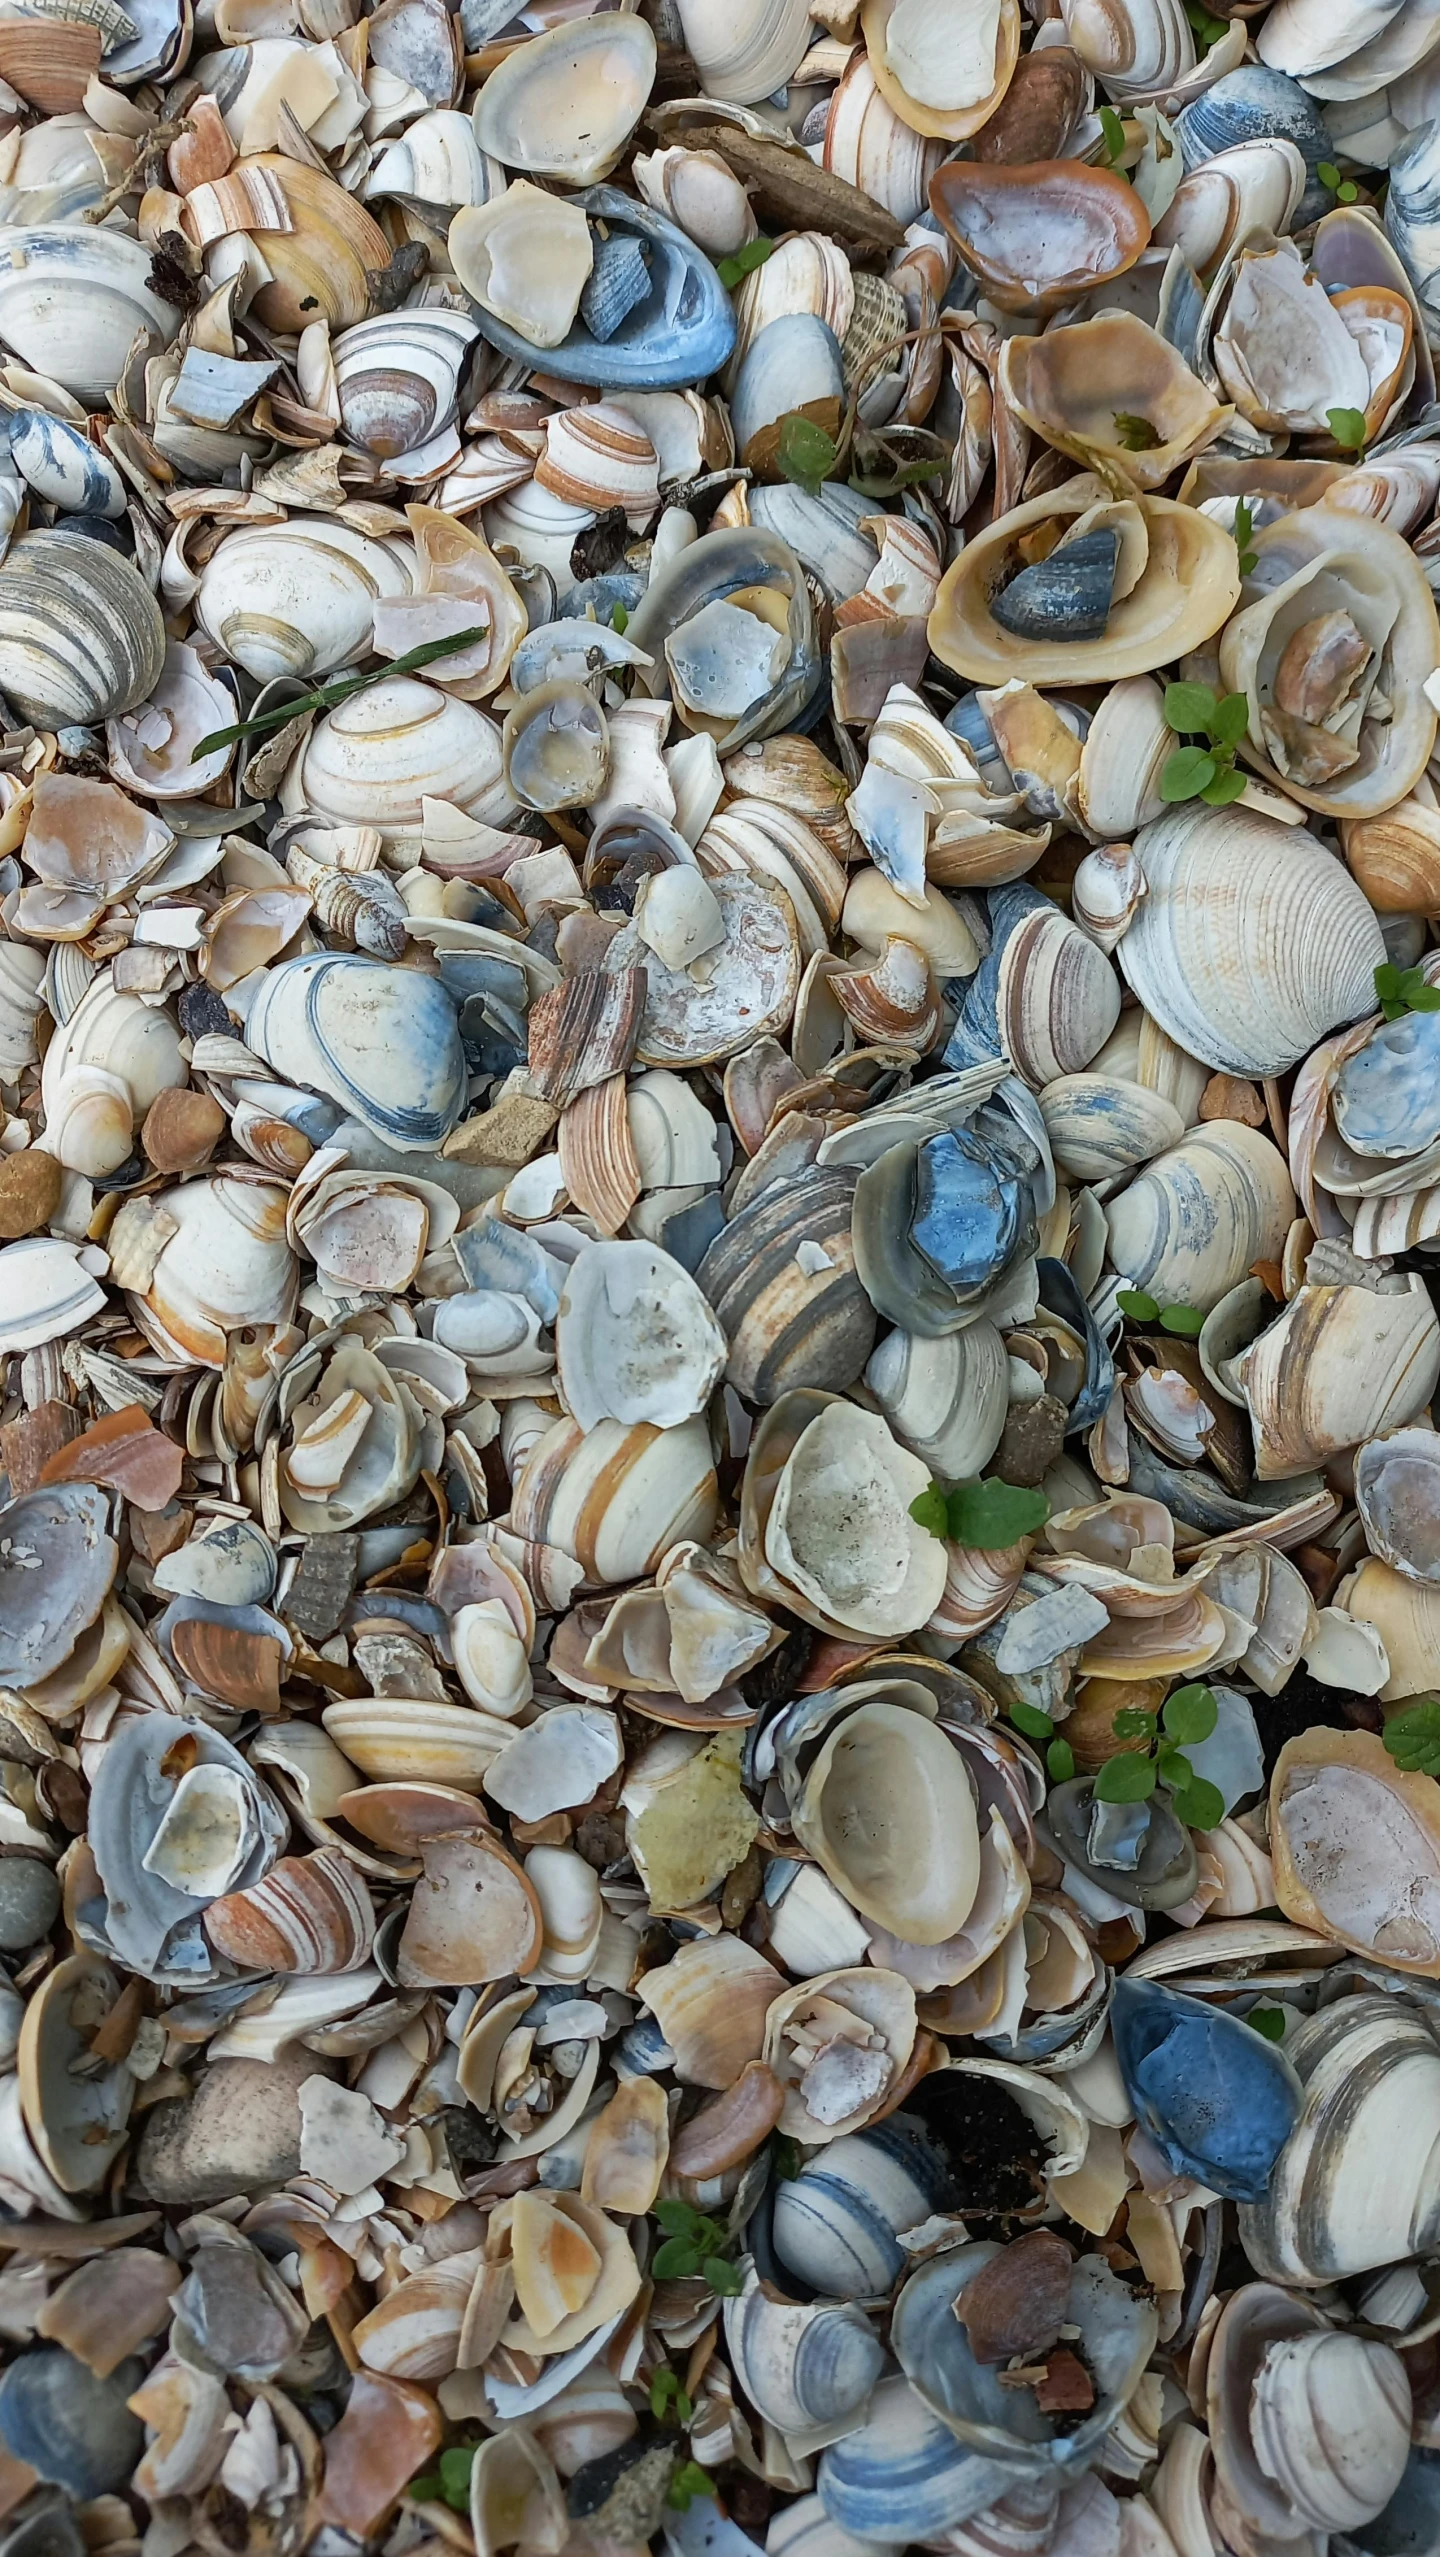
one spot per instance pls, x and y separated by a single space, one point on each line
376 758
166 1842
1185 587
310 1913
80 633
76 2120
474 1915
791 366
222 1263
636 1341
826 1527
1409 212
654 1487
945 1399
525 257
435 1744
1309 2423
884 1779
414 2332
1396 857
1255 186
1368 2067
1039 237
781 1277
1356 1849
748 988
1250 987
64 466
556 748
397 379
710 2002
1057 998
1396 1494
1339 1364
297 598
941 77
872 148
342 1024
839 2045
1100 1127
836 2224
72 302
436 160
1066 384
598 457
320 267
701 194
745 53
801 2367
1307 651
1193 1222
1216 2108
902 2461
1402 1614
565 104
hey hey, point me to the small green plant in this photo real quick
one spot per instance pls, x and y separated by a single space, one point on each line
450 2484
689 2480
1136 434
987 1515
1344 190
325 696
732 270
1413 1737
805 454
1402 990
694 2244
1206 28
1347 425
1188 1716
1112 129
668 2401
1184 1320
1268 2020
619 619
1059 1756
1204 771
1243 529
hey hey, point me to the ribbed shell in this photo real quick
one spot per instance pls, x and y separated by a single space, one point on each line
787 1325
81 637
310 1913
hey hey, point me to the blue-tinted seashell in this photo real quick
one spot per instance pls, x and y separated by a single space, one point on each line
967 721
503 1256
600 595
1146 1857
1060 1295
717 566
1409 2526
971 1206
1387 1096
801 2529
1218 2100
384 1042
902 2476
643 2052
683 330
1066 596
74 2430
835 2222
1412 213
64 466
801 2365
791 363
1249 105
619 283
823 530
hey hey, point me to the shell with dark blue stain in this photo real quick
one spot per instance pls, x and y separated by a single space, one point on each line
1066 596
682 330
902 2475
1249 105
619 283
836 2222
64 466
801 2365
383 1042
73 2429
1218 2100
1138 1852
1387 1096
81 638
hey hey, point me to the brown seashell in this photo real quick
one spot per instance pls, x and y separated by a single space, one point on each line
597 1154
182 1129
1018 2302
1396 858
319 268
585 1030
710 2003
893 1000
475 1916
792 1315
386 2434
1040 235
1038 111
205 151
627 2150
125 1451
104 2309
725 2133
310 1913
51 61
227 1661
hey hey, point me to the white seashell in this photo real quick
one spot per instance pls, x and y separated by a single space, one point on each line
886 1779
1057 998
223 1262
1371 2073
801 2367
699 191
374 759
46 1292
1190 1226
135 1047
616 1497
1100 1127
944 1399
745 49
72 301
1106 891
438 160
492 1661
565 104
635 1337
1330 2422
1251 943
525 257
298 598
870 145
397 380
81 636
829 1534
1338 1365
64 466
599 457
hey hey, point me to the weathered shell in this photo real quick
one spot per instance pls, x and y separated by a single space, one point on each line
1193 1222
1057 998
310 1913
801 2366
837 2222
944 1399
72 301
616 1497
1356 1849
1397 1493
1370 2069
80 632
374 760
781 1277
884 1780
382 1044
565 105
826 1525
1070 384
1338 1365
1252 941
1100 1127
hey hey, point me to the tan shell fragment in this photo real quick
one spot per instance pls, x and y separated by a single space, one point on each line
1339 1365
1355 1843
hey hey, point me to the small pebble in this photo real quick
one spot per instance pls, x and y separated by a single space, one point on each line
30 1184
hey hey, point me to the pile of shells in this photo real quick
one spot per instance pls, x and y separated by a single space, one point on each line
719 1278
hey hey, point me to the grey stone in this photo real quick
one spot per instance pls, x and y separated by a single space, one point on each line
238 2133
29 1902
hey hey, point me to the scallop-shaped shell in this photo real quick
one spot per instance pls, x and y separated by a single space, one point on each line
372 760
564 104
944 1399
310 1913
1338 1365
72 301
1190 1226
781 1277
635 1338
397 379
616 1497
1257 185
383 1042
1307 676
747 49
298 598
1252 941
1370 2068
81 636
1397 1493
801 2366
1057 998
1187 586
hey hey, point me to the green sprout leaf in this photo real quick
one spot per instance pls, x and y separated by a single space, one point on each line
806 454
724 2279
1200 1804
1188 773
1402 990
928 1510
676 2260
731 270
1413 1737
1030 1720
1190 1715
1128 1778
452 2483
1134 1302
1185 1321
1343 189
991 1515
1207 28
619 619
1060 1762
1227 784
1268 2020
668 2398
689 2480
1133 1724
1173 1767
1347 425
1232 717
1243 529
325 696
1189 709
1113 128
1135 434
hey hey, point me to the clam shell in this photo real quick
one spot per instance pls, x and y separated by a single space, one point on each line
474 1915
397 379
376 758
903 2470
1339 1365
748 50
381 1042
781 1277
801 2366
1371 2075
1356 1849
710 2002
80 632
616 1497
1397 1493
1192 1223
1057 998
837 2223
1100 1127
636 1341
1252 941
390 1739
944 1399
310 1913
681 332
72 301
564 105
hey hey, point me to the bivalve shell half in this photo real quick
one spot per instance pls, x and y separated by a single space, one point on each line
781 1278
1190 1226
617 1497
565 104
1356 1848
81 637
72 301
1339 1365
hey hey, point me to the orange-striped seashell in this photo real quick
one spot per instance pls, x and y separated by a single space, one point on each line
311 1913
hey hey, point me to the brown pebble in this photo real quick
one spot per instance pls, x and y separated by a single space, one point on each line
1227 1096
1067 2387
506 1136
182 1130
1018 2302
1033 1438
29 1191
